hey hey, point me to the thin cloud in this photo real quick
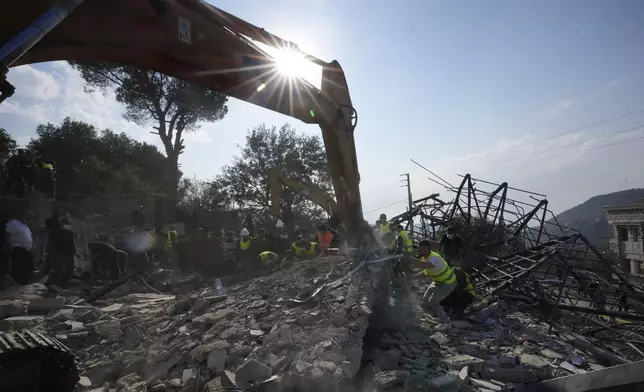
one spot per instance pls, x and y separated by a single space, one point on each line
558 108
617 82
32 83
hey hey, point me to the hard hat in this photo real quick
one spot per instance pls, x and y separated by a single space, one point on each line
244 232
279 224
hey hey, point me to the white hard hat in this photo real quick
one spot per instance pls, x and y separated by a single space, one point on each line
279 224
244 232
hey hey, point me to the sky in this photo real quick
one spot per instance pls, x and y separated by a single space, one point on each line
509 91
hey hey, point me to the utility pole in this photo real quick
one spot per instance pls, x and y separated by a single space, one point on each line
407 183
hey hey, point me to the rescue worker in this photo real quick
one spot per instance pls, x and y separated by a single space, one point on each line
383 225
443 280
304 248
51 225
244 252
405 247
171 245
63 240
19 243
451 245
268 259
462 296
105 258
47 180
324 238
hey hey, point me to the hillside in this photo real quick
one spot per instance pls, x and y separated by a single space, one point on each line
590 219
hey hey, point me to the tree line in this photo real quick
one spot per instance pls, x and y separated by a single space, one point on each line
89 161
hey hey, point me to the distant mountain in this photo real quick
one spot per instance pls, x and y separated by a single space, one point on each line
589 217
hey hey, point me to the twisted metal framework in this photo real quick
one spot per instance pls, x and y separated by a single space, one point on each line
529 258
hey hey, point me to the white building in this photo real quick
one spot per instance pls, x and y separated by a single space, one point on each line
628 225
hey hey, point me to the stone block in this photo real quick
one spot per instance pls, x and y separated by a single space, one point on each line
390 379
447 383
457 362
253 370
216 360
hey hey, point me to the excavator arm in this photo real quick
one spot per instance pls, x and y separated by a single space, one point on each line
202 44
276 180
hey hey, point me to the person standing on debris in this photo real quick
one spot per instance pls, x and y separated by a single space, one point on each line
20 241
244 252
324 238
47 179
63 241
51 225
170 239
451 245
443 279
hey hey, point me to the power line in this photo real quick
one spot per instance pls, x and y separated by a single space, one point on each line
583 128
563 155
383 207
572 144
434 174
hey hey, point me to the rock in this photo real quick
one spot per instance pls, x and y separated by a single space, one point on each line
173 383
257 304
539 365
215 317
485 313
252 370
20 322
200 352
229 380
256 332
127 381
160 387
214 385
485 385
108 329
216 298
464 374
217 360
446 383
457 362
517 375
550 354
200 304
302 366
310 318
101 372
112 308
84 382
388 360
188 377
440 338
43 305
416 384
390 379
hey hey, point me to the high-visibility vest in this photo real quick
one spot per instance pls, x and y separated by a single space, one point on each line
244 245
265 255
384 228
468 284
47 166
442 273
408 246
325 239
304 252
172 237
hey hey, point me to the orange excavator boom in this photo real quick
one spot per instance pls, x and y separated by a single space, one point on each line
197 42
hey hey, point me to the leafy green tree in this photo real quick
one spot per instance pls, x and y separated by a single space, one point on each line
7 146
170 105
197 196
89 162
299 156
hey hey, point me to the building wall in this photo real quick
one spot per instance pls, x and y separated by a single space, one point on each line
627 241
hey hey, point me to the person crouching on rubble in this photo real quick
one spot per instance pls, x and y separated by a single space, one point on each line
443 278
268 260
462 296
304 248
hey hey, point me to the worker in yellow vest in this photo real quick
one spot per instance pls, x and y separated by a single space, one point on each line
462 296
244 255
303 248
443 279
268 259
171 238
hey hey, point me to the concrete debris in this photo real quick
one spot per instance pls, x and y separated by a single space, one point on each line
314 326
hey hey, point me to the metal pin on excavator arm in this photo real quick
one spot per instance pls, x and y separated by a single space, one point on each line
197 42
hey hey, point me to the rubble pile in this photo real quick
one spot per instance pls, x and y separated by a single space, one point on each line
300 328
